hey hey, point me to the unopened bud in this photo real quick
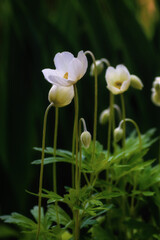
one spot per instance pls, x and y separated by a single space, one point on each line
136 82
99 65
118 134
156 84
86 139
155 97
61 96
104 116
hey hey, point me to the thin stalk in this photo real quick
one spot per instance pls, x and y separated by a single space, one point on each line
95 103
54 150
123 118
54 164
80 151
41 170
109 129
76 213
73 151
76 133
137 129
140 148
105 61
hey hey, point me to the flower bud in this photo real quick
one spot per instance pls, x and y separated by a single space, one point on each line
104 116
99 65
118 134
136 82
86 139
155 97
61 96
156 84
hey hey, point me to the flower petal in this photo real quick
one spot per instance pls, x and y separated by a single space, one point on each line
54 77
62 60
83 59
110 75
122 72
75 70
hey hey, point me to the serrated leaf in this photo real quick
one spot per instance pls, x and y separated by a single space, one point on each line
63 217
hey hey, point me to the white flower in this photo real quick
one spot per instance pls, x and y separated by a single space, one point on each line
68 69
118 79
61 96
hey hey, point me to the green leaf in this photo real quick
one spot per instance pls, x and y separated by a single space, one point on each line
63 217
19 220
53 197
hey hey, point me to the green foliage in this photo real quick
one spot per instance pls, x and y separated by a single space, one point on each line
132 181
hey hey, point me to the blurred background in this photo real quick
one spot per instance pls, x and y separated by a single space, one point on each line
31 33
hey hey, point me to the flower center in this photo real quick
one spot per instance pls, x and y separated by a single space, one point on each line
65 75
118 84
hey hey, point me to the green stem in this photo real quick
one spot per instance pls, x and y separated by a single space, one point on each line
76 213
140 148
109 129
95 103
73 151
76 133
137 129
105 61
54 150
123 118
54 164
41 170
80 151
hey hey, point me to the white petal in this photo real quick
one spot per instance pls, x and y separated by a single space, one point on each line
83 59
110 75
113 89
54 77
62 60
75 70
125 86
123 72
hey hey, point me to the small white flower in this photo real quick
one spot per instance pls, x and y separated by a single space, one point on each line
68 69
61 96
118 79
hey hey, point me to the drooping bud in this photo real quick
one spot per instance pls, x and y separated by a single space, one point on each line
118 134
156 84
86 139
136 82
99 65
61 96
155 97
104 116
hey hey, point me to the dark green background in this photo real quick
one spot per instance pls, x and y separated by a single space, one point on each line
31 33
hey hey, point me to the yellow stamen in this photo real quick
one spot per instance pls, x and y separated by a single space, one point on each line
65 75
118 84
